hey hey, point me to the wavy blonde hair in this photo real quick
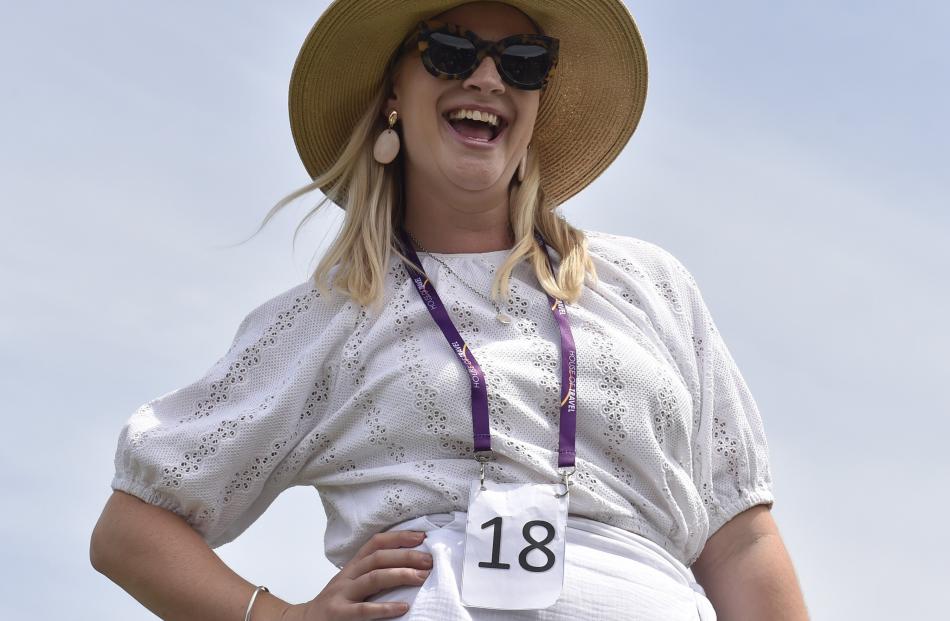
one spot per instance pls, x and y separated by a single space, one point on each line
374 209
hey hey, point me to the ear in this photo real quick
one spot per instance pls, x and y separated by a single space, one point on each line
392 102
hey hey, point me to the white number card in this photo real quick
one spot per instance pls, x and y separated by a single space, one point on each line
514 546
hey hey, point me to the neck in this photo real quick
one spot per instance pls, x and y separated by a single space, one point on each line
458 225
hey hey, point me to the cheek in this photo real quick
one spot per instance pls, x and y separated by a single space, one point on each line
419 97
524 133
527 116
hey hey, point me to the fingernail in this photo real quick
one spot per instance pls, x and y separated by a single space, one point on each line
422 573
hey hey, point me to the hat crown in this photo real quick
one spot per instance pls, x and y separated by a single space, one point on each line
587 113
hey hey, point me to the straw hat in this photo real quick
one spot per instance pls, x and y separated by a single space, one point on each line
588 110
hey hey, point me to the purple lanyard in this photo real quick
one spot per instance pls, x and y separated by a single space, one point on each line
480 424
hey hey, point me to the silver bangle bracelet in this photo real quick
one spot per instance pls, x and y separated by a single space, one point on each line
247 615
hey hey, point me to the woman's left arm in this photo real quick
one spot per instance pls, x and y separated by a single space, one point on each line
747 572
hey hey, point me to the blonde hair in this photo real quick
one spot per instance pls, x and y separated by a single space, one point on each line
374 209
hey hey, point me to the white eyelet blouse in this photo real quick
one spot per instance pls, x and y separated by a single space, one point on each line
372 407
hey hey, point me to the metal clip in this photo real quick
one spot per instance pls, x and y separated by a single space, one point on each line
565 480
482 457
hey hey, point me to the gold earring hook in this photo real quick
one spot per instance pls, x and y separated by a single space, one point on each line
392 118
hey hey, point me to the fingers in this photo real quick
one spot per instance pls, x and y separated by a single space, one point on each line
388 540
365 611
378 580
381 563
389 558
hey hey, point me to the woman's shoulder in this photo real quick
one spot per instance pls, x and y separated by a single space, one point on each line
635 256
611 241
304 306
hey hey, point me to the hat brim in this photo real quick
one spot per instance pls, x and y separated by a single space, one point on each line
588 110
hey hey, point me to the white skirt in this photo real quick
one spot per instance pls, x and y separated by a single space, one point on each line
609 574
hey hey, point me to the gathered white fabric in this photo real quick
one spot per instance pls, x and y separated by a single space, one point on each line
609 574
372 407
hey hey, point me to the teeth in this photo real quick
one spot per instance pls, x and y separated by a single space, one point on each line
476 115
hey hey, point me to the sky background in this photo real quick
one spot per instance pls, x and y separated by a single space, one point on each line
793 156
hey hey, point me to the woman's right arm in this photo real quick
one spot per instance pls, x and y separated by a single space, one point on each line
162 562
220 450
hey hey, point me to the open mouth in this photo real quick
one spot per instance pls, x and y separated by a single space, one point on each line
477 130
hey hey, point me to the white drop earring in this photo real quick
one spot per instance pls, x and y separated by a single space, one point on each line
522 167
387 143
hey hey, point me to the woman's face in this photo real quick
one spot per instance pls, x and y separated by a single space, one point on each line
436 154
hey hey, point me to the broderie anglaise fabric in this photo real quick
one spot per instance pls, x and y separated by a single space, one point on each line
318 390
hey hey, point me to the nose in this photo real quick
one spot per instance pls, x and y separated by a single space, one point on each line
485 78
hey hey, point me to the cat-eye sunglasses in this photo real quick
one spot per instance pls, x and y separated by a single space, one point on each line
450 52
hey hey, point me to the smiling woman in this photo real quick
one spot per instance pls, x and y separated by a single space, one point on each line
505 416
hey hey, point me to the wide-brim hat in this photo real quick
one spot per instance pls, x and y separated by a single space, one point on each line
588 110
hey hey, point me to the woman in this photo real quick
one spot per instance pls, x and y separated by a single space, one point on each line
464 353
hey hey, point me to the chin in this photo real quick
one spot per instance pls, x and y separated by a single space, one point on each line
477 182
473 174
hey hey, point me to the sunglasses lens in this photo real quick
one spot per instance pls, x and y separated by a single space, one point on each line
450 54
526 65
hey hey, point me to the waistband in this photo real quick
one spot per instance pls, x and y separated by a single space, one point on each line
587 532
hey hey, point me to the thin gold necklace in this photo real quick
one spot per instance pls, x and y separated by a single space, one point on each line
500 316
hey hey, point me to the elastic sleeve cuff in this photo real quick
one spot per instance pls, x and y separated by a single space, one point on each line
146 493
759 495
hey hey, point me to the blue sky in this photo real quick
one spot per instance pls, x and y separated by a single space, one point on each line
793 156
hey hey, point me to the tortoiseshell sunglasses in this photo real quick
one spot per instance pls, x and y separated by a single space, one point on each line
450 52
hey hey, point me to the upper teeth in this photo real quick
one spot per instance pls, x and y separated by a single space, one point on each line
476 115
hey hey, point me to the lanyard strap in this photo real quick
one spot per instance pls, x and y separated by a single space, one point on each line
480 424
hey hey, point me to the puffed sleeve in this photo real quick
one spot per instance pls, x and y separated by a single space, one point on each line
731 467
214 451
